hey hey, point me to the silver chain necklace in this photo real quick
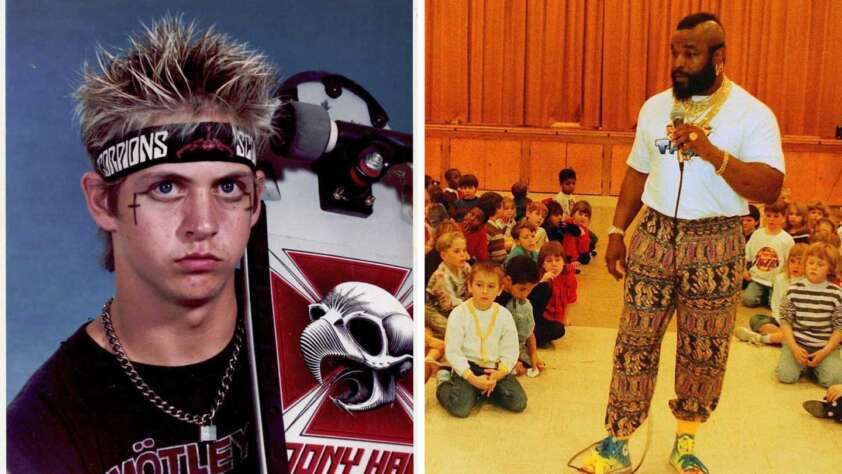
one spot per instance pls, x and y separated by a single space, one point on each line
207 431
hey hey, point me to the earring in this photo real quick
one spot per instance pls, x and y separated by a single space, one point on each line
719 68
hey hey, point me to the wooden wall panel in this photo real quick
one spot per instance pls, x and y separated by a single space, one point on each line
446 62
546 158
495 162
497 46
592 63
433 154
619 155
502 164
586 159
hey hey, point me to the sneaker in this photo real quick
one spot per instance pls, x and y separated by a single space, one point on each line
818 408
682 458
443 375
610 456
747 335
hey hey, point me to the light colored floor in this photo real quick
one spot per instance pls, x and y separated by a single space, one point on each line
759 426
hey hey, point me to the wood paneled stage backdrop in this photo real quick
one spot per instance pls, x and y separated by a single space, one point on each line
518 89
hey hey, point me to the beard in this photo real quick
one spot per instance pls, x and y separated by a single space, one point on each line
696 83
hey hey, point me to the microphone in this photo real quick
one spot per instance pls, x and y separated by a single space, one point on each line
305 131
677 115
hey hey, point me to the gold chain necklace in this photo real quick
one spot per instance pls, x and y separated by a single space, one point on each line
701 112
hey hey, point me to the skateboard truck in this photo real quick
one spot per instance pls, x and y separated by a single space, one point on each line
330 120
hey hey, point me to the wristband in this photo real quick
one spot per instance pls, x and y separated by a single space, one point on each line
616 230
725 158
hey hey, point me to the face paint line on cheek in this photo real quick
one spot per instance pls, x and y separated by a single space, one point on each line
134 205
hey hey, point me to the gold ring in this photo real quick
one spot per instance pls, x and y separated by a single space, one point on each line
693 136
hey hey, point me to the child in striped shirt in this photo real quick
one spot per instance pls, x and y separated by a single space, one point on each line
811 320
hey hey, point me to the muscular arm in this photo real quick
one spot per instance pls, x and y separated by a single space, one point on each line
629 203
753 181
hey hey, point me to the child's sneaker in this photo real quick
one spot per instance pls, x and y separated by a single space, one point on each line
682 457
443 375
747 335
818 408
610 456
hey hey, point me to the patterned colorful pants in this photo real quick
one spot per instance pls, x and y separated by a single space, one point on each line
700 279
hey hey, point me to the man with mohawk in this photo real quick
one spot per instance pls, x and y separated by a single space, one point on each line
158 382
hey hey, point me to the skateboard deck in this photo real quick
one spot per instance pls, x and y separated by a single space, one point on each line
330 294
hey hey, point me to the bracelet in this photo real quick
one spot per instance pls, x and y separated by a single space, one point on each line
616 230
725 158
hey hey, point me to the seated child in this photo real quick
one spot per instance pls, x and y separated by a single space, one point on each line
473 227
519 192
451 177
432 259
796 222
567 183
468 199
506 220
582 248
816 210
445 290
492 204
811 320
767 329
830 407
552 295
524 237
750 221
556 225
766 252
481 345
521 278
536 212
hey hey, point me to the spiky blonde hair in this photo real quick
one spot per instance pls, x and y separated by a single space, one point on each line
172 68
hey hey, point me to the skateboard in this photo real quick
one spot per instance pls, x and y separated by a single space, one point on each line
329 283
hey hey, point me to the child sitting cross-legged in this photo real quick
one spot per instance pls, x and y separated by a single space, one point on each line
811 320
524 236
555 291
473 226
521 278
481 345
445 290
767 329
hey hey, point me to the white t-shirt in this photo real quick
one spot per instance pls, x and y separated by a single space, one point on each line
767 254
744 127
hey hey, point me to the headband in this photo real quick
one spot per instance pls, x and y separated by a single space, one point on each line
209 141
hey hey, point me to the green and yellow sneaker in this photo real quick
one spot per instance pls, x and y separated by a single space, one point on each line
610 456
682 457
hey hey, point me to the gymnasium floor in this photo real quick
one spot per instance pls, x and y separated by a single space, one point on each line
759 426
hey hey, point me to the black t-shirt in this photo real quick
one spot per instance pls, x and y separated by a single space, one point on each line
80 413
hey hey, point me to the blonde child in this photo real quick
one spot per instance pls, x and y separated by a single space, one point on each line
767 329
481 346
796 222
811 320
445 290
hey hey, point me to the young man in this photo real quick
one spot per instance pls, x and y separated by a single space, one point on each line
172 127
731 151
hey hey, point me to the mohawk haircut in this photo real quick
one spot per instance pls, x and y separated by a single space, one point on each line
172 67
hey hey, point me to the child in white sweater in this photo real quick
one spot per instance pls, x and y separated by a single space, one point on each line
481 345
